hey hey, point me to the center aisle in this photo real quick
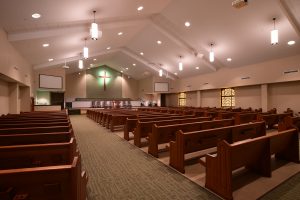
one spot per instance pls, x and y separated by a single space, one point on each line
119 170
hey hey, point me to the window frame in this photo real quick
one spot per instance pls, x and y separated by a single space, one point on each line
180 99
231 96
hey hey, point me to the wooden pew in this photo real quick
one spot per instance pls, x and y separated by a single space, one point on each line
33 155
35 138
18 121
289 123
255 154
35 130
225 115
64 182
272 119
29 125
143 129
199 140
166 133
242 118
131 124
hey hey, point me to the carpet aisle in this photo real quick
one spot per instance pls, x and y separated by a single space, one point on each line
119 170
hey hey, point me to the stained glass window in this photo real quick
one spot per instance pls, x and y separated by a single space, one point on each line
182 99
227 97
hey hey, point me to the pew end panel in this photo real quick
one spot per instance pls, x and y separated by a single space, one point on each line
253 154
285 145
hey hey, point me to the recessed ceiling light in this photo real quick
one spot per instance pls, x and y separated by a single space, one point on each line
121 71
229 59
197 67
94 59
50 59
108 48
120 33
140 8
175 73
187 24
292 42
134 64
126 68
36 15
142 53
46 45
159 42
79 73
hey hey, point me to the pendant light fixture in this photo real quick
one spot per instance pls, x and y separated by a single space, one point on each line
80 62
180 64
211 53
94 31
160 72
274 34
85 50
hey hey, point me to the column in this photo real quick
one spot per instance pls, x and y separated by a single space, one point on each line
198 99
14 101
264 97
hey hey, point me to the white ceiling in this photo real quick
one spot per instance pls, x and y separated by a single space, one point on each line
241 34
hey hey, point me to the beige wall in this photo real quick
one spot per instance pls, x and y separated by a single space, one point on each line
12 64
75 86
4 97
210 98
130 88
284 95
18 71
25 100
59 71
248 96
261 73
14 101
145 86
191 99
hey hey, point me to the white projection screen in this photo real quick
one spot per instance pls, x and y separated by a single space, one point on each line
161 87
50 82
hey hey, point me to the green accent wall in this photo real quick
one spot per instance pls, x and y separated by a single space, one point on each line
95 83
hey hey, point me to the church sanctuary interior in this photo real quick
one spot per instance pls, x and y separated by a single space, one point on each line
149 99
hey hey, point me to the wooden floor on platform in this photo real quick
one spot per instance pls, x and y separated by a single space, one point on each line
247 185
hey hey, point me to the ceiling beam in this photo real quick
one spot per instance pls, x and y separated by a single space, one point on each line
71 59
138 58
75 28
45 33
286 10
180 42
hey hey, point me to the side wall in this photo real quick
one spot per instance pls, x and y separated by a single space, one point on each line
284 95
16 76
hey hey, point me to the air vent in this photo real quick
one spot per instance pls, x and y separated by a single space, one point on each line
246 77
291 71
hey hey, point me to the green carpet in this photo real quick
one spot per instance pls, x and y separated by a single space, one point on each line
119 170
288 190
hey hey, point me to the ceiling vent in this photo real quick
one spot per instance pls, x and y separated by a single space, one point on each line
239 3
291 71
246 77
